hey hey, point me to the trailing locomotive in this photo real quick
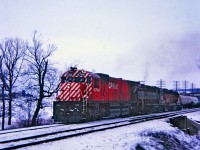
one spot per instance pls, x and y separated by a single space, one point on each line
85 95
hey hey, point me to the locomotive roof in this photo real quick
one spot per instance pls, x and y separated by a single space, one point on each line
73 70
94 75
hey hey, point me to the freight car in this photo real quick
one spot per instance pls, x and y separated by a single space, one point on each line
188 101
85 95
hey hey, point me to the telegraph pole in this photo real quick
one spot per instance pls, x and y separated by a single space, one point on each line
192 87
161 83
176 85
185 83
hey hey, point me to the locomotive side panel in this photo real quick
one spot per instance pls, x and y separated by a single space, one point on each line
118 90
114 86
126 96
148 94
104 92
170 97
96 89
133 88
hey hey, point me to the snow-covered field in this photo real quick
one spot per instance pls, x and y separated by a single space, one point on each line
151 135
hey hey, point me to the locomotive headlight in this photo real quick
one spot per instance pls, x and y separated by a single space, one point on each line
68 85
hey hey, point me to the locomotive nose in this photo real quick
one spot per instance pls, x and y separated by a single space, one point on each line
75 91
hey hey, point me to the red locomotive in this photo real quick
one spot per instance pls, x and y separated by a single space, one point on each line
85 95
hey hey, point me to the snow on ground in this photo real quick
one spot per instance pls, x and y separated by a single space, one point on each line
194 116
151 135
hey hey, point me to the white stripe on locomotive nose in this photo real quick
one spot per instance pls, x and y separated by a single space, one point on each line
74 91
74 94
73 85
63 95
77 91
60 96
64 86
78 97
75 97
66 96
63 90
75 73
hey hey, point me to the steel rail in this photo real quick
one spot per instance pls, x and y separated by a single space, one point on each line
29 128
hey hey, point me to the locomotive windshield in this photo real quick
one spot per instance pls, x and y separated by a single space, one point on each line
70 79
75 79
79 79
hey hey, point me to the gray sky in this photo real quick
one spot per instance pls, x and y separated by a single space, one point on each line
131 39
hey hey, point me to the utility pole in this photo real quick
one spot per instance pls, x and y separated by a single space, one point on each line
185 84
176 85
161 83
192 87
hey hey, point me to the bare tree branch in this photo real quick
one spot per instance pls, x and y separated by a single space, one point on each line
42 74
12 51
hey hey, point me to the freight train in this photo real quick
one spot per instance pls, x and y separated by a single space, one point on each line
85 96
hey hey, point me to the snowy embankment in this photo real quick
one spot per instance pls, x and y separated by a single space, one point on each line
156 134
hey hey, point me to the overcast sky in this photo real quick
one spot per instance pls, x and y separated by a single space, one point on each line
131 39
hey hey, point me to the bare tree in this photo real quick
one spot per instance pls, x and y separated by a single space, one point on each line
2 92
12 51
42 74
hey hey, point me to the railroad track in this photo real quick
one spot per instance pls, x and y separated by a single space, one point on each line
21 142
29 128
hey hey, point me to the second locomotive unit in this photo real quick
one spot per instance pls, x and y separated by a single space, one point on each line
85 95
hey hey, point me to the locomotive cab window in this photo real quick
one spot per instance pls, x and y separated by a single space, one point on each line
69 75
82 79
70 79
79 79
88 80
63 79
96 83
